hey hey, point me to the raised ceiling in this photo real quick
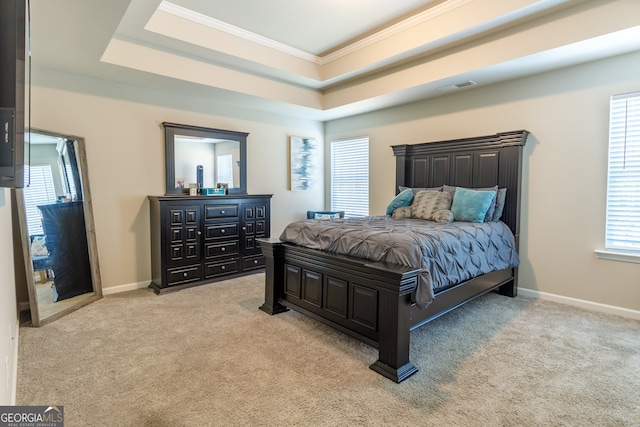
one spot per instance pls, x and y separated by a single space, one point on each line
324 59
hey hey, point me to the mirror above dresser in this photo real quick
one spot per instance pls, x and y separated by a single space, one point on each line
205 157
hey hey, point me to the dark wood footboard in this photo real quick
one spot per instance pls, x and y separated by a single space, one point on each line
370 301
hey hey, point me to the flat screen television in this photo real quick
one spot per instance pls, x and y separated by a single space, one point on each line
12 92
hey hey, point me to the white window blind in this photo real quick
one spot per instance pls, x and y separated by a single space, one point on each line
39 192
350 176
623 184
225 169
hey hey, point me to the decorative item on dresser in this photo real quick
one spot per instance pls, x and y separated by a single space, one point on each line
199 239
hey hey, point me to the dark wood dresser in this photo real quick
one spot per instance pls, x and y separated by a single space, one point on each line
202 239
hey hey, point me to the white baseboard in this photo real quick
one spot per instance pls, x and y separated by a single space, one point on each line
124 288
14 381
589 305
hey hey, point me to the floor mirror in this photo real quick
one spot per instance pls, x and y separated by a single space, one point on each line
55 217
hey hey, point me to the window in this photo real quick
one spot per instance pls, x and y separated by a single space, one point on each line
623 185
225 169
39 192
350 176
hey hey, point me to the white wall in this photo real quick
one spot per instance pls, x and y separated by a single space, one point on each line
125 154
8 305
565 167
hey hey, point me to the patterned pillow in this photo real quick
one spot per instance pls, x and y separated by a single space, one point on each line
443 215
427 203
39 246
402 212
335 215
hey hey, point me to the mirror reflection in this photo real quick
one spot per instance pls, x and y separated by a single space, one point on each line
204 158
62 274
206 162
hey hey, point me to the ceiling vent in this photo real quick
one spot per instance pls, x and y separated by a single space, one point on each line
457 86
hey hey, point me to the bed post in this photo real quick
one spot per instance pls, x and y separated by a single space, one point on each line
394 323
510 176
274 276
393 351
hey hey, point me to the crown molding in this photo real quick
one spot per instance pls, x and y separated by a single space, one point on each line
216 24
420 18
401 26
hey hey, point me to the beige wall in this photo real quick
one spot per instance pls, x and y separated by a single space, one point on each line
565 167
564 182
125 154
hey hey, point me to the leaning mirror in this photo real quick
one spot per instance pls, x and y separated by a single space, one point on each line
55 218
204 157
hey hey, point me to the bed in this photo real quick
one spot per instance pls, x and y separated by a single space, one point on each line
379 299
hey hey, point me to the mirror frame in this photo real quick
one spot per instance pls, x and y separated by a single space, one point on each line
36 319
173 129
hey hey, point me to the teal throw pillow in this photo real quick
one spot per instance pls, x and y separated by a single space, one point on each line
471 205
404 198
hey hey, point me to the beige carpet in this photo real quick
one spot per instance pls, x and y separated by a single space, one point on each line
206 356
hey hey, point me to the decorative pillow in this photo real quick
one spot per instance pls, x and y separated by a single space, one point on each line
490 212
402 199
402 212
39 246
326 216
443 215
471 205
416 190
501 197
427 203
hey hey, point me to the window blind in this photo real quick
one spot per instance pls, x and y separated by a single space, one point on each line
350 176
40 192
623 184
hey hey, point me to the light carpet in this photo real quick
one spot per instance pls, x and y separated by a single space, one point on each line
206 356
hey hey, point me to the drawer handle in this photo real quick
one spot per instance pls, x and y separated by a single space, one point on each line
222 231
255 261
222 212
223 268
223 249
199 233
184 274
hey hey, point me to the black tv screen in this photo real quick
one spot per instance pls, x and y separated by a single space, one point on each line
12 92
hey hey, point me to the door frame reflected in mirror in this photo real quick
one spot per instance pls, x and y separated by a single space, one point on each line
41 315
171 133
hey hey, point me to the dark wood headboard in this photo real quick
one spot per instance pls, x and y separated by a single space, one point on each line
478 162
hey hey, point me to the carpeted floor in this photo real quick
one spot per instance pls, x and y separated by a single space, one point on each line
206 356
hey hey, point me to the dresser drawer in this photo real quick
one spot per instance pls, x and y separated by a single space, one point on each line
249 263
220 211
216 231
221 268
180 275
232 247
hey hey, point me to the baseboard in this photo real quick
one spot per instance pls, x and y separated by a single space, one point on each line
14 381
124 288
589 305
